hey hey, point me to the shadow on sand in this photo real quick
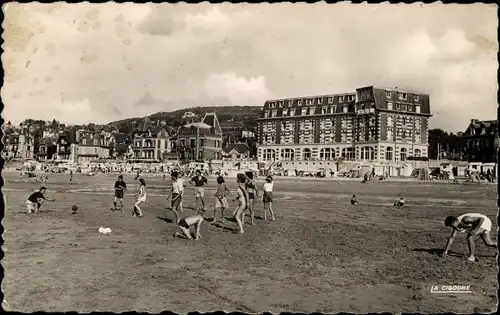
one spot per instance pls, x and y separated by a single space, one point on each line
439 252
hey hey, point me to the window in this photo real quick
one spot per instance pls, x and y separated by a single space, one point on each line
290 103
341 98
417 153
192 142
404 121
285 113
306 155
388 154
389 105
333 109
312 111
319 101
402 96
309 102
291 112
304 111
274 113
367 153
416 98
326 154
299 102
330 100
397 106
266 114
403 107
388 94
272 105
324 110
402 154
202 142
280 104
183 143
403 134
410 108
417 109
350 98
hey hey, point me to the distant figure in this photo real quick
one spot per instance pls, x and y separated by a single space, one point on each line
353 200
400 203
473 224
365 178
70 176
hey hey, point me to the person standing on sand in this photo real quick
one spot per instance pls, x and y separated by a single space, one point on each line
473 224
120 188
242 199
253 193
199 182
177 192
268 197
141 198
221 198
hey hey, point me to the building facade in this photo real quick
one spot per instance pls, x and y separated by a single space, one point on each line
236 151
200 141
19 145
481 139
152 144
372 124
90 147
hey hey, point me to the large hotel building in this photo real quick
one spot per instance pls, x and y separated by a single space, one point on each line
373 124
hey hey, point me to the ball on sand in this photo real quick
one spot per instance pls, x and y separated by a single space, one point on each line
74 208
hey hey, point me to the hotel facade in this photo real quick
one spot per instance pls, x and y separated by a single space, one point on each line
372 124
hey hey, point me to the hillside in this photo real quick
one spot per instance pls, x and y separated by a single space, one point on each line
244 114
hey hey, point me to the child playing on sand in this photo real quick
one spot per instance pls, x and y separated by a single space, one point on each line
242 199
221 198
35 200
268 197
141 198
400 203
353 200
253 194
473 224
185 224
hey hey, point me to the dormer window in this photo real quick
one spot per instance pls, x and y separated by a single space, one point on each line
309 102
341 98
272 105
285 113
388 94
402 96
280 104
330 100
299 102
416 98
319 101
350 98
290 103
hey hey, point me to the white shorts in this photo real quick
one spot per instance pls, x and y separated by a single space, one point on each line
141 200
486 225
31 206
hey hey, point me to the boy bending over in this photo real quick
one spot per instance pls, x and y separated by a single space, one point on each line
186 223
473 224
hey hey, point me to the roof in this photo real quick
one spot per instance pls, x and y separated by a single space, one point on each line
482 128
211 120
240 147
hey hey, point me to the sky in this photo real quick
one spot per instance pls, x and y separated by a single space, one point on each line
82 63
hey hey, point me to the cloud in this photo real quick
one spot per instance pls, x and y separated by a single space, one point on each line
128 60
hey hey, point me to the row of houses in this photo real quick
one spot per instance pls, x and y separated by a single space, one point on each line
196 140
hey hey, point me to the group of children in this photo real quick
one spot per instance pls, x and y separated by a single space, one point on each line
247 192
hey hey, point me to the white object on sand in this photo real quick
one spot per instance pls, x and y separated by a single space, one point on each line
103 230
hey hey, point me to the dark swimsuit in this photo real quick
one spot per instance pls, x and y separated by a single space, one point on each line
183 224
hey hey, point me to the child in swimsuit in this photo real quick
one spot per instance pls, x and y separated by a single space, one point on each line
473 224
